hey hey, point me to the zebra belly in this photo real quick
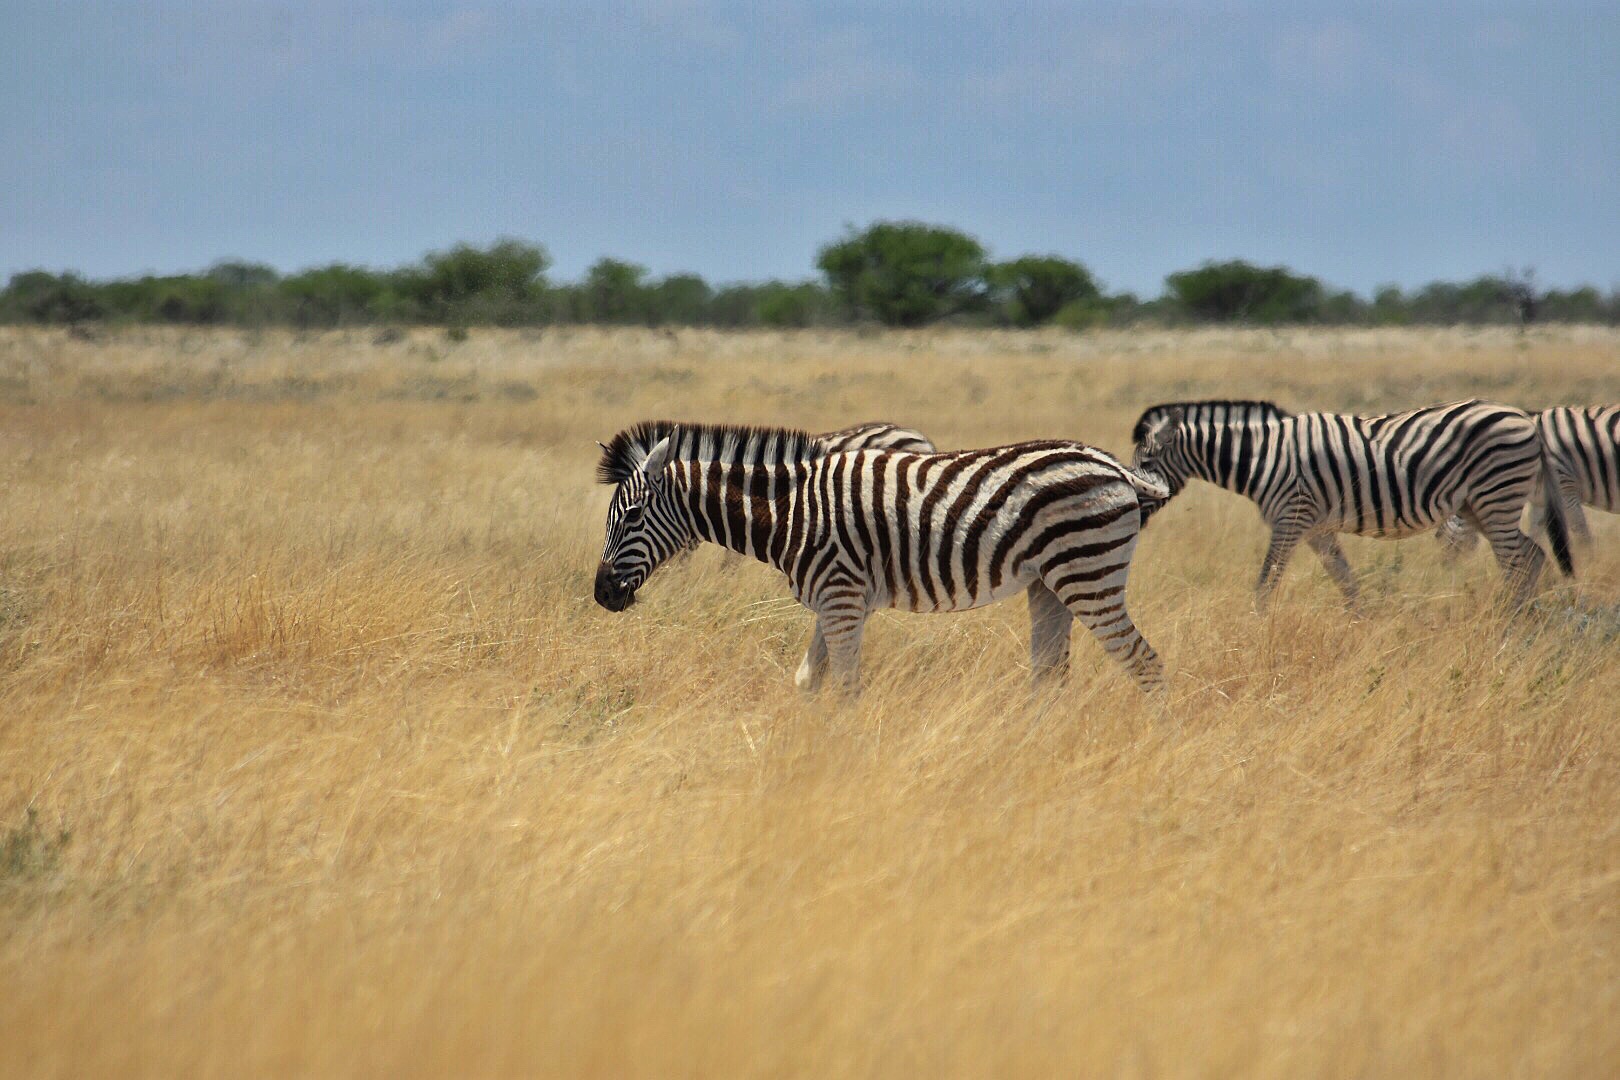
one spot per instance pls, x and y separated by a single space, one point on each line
1367 524
915 596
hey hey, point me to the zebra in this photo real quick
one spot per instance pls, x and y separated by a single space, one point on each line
1585 448
875 435
872 435
868 529
1318 474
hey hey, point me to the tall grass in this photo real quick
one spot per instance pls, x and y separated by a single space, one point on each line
316 756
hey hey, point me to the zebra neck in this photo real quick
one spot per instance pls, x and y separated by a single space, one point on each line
746 508
1233 456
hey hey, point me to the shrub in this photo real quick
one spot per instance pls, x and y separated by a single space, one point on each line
905 273
1035 288
612 292
334 295
465 284
682 299
43 297
1238 291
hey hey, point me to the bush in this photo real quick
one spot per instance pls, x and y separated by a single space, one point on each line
905 273
334 295
1088 314
784 305
499 284
1035 288
43 297
1237 291
681 299
1584 305
1485 299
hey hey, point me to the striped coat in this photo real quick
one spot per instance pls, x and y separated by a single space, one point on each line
1318 474
1585 448
857 531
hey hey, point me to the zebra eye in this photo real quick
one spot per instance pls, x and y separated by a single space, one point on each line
632 514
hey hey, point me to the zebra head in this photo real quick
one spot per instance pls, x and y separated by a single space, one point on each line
1160 438
645 522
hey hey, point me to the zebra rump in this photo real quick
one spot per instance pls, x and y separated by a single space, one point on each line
1584 446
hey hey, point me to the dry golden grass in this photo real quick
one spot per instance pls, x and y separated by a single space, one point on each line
296 642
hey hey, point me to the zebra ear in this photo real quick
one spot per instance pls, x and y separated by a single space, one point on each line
657 458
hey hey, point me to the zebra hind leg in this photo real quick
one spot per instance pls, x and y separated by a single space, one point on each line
1097 598
1327 548
1519 556
1049 627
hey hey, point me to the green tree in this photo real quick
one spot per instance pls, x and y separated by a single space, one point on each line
1485 299
239 274
1389 306
1582 305
1238 291
1037 287
904 273
788 305
502 283
334 295
40 296
613 292
682 299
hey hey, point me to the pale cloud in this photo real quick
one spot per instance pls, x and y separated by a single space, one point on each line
425 40
1497 34
695 26
843 67
1331 55
1465 131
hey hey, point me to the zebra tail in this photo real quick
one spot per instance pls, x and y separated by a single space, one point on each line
1147 484
1557 527
1151 493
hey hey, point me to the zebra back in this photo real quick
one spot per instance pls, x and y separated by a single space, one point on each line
876 435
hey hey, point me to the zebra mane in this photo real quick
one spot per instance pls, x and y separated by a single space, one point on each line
1195 411
732 444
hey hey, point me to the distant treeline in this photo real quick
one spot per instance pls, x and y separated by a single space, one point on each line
893 273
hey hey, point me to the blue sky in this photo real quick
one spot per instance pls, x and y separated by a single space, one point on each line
1362 143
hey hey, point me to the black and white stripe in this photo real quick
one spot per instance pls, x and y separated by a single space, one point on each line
1318 474
875 435
1585 447
868 529
872 435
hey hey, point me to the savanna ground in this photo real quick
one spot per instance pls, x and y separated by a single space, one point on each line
316 756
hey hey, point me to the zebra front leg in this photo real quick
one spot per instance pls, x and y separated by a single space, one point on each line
1327 548
1049 625
1456 537
839 628
1283 540
814 664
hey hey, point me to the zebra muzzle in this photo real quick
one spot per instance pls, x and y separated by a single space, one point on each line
610 592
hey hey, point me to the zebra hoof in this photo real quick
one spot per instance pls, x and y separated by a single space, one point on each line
806 678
